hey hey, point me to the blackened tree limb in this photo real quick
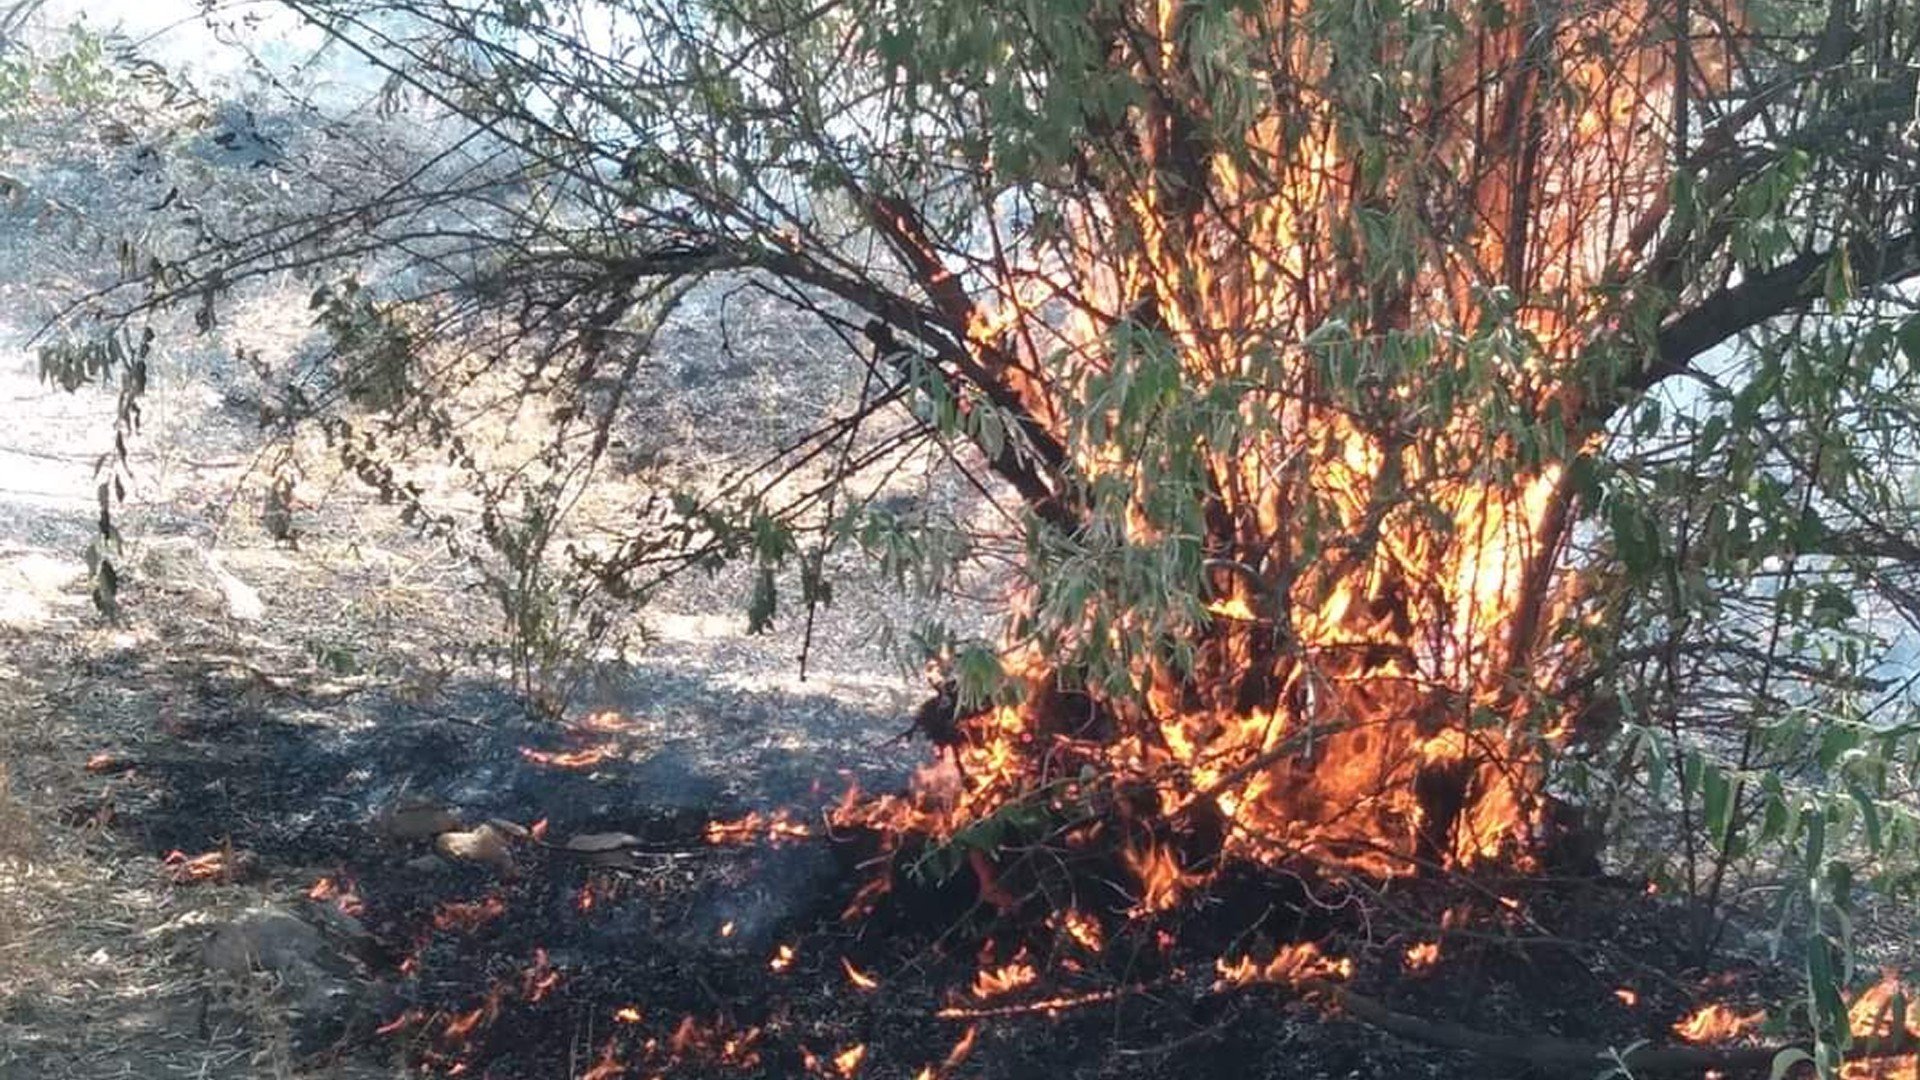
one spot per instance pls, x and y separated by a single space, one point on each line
1785 289
1035 483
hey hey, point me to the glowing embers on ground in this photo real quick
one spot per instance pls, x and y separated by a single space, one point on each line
860 979
1421 956
450 1039
782 959
596 739
221 865
779 826
955 1057
844 1064
340 891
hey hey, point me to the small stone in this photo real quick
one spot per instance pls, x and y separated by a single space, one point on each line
415 820
485 845
263 939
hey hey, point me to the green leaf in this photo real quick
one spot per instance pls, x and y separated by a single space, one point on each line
1785 1061
764 603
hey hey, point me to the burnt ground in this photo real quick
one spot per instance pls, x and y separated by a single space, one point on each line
165 737
299 744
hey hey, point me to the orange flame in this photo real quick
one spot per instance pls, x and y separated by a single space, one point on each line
773 828
1083 929
1161 880
570 759
1716 1022
1877 1015
1295 963
993 982
1424 609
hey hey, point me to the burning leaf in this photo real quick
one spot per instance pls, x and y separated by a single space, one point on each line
627 1014
405 1020
468 917
1627 996
341 893
607 723
224 865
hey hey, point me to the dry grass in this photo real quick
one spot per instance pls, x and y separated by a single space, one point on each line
98 969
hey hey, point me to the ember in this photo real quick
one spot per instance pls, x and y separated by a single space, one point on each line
183 869
782 959
858 978
570 759
716 1044
955 1057
608 1066
1422 955
468 917
340 892
540 978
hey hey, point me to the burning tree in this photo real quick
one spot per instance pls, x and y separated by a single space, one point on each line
1401 413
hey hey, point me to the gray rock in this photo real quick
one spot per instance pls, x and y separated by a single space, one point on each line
308 981
180 564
